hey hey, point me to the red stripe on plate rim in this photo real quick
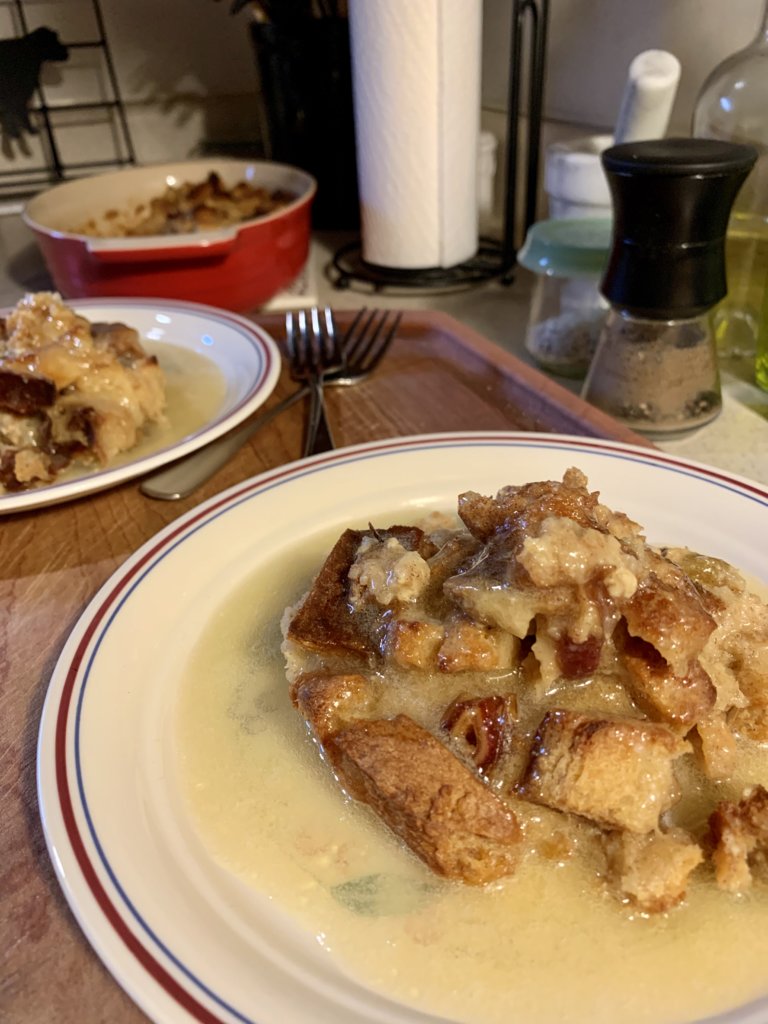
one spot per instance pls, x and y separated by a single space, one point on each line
216 506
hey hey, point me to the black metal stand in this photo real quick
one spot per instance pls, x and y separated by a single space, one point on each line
20 183
537 12
348 269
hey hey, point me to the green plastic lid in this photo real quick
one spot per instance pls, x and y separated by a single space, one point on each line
567 247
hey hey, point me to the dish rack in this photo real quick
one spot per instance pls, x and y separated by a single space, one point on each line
52 116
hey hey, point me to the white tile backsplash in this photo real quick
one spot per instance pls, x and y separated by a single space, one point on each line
185 69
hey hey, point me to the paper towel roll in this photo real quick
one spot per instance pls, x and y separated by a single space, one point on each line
416 92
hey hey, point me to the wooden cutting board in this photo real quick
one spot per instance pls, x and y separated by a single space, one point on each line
439 376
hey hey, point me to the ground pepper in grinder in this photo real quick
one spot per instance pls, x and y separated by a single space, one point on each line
655 367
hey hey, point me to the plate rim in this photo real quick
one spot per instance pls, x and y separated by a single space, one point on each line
261 387
77 645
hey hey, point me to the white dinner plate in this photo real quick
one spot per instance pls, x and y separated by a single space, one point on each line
245 356
175 931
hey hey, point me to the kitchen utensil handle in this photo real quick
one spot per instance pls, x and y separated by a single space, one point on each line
152 254
184 476
319 437
648 97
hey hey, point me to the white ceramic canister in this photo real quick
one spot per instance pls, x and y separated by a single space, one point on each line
574 179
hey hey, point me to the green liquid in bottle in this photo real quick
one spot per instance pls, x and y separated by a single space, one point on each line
761 360
741 317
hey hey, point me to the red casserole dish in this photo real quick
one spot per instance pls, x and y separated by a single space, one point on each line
239 267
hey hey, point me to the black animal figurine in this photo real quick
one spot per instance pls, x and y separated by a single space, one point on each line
20 63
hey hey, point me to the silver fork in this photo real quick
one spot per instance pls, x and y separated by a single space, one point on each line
316 354
365 343
314 351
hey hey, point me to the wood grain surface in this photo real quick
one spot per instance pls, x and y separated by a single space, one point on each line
439 376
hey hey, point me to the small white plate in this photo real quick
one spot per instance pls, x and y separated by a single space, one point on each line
245 356
171 925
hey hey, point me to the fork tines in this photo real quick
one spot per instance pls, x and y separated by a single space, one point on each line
365 338
311 339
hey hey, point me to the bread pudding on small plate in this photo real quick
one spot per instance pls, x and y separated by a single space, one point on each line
95 392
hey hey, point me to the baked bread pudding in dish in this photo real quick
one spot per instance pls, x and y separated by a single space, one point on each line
534 679
70 391
190 207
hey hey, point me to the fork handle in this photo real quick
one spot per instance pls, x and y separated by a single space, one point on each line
319 437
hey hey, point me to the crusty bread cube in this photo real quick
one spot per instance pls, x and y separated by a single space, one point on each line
324 620
329 702
23 392
716 747
445 814
472 647
618 772
670 614
738 834
651 871
413 643
523 508
679 700
118 338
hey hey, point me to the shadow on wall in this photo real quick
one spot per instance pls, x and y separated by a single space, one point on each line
301 113
22 61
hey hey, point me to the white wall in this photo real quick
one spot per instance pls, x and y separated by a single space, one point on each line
591 43
590 46
187 72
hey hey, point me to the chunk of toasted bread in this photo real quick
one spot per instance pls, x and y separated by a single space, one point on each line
618 772
325 620
738 835
445 814
651 871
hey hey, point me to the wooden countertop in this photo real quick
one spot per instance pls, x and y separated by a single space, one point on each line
439 376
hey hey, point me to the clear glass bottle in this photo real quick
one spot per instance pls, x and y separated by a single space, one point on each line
732 106
656 365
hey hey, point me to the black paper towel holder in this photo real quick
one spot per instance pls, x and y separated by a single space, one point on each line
494 259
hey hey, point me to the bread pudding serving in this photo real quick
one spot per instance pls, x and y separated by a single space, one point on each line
71 392
189 207
535 679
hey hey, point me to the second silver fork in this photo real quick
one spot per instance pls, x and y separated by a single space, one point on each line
314 351
366 341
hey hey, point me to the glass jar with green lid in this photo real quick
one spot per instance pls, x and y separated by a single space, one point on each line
567 309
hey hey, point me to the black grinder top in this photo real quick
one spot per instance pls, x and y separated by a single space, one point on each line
672 200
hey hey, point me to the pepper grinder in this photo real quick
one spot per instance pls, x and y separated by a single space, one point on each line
655 366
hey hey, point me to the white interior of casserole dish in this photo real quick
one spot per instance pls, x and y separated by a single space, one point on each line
64 208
